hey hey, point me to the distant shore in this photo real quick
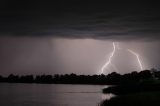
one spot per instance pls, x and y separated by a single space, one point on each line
110 79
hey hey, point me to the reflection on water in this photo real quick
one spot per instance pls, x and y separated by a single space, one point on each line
51 95
106 86
107 96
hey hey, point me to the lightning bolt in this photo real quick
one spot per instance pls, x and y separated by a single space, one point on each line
109 60
138 59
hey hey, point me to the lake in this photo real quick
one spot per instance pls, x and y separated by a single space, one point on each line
19 94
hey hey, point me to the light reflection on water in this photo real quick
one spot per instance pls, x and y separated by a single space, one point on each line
107 96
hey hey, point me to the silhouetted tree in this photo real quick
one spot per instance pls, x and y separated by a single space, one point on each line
146 74
113 78
27 79
13 78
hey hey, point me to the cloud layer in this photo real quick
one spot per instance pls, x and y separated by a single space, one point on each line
120 21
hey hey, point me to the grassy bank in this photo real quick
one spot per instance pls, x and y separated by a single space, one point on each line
135 99
140 94
132 88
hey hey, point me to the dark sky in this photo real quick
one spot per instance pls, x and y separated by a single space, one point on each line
74 36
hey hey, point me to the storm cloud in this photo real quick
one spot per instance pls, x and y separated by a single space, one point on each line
77 19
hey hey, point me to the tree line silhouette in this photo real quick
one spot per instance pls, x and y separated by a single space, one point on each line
112 78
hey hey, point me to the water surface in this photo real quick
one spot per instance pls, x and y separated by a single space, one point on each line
50 95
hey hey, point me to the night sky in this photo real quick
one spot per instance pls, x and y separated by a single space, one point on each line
40 37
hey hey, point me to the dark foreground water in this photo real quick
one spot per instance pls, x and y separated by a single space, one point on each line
51 95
